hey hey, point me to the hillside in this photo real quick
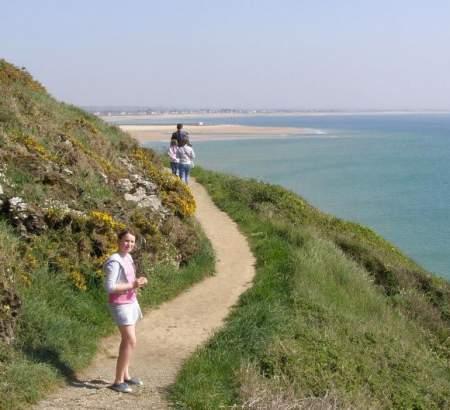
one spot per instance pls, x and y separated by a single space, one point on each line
68 183
337 317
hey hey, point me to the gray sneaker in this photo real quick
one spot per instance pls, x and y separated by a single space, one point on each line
122 388
134 381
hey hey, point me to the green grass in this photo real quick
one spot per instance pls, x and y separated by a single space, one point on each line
23 380
95 191
166 281
317 326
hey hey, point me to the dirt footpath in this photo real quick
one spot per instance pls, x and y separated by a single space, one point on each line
169 334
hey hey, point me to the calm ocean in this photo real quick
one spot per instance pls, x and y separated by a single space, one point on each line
389 172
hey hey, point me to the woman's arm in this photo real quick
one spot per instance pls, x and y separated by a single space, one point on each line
112 271
112 285
172 155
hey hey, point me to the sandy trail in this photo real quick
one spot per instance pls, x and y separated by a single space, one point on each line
169 334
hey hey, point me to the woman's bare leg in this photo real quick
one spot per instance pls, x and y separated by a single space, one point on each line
127 345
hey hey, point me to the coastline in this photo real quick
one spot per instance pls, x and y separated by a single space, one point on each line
162 133
175 116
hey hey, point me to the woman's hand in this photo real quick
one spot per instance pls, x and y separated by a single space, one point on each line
140 282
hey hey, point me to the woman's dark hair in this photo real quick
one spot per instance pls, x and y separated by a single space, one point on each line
126 231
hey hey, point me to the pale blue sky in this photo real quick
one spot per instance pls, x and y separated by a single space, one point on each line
245 54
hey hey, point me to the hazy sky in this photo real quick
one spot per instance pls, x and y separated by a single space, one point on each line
314 54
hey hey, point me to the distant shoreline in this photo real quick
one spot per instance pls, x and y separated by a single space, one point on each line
130 117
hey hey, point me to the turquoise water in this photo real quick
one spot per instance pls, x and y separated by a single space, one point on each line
389 172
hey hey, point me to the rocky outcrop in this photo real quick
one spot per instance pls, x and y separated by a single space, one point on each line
28 219
142 191
143 200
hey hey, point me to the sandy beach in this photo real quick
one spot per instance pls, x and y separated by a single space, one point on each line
145 133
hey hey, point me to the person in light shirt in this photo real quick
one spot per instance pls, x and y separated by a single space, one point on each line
172 153
185 155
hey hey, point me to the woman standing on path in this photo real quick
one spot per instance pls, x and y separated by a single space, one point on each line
185 155
121 284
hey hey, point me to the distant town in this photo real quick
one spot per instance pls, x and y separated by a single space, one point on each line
115 111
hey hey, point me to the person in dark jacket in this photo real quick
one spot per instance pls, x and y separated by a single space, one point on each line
180 134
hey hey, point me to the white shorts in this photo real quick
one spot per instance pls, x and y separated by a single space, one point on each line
126 313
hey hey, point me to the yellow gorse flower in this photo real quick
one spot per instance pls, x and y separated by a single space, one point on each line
106 220
78 280
34 146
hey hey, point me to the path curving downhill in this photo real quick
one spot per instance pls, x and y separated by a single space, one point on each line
169 334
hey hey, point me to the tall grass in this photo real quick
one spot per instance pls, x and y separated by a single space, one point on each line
316 330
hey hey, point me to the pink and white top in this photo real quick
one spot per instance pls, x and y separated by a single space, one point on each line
119 269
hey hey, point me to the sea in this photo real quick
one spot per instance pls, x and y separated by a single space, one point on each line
390 172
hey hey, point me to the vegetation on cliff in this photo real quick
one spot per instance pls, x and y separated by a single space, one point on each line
68 183
337 317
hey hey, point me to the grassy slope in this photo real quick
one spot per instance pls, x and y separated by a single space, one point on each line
337 316
57 157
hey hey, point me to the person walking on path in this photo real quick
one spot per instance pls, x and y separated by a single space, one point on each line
121 284
174 162
180 134
185 155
